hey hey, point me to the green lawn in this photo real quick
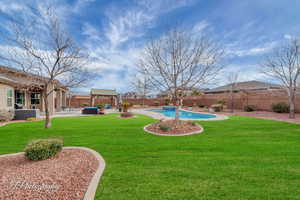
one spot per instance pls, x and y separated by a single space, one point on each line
239 158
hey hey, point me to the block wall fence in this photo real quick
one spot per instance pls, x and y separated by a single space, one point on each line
262 99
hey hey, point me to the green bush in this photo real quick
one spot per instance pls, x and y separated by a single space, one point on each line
164 127
156 103
280 107
192 123
221 102
42 149
100 106
217 107
250 108
126 106
167 102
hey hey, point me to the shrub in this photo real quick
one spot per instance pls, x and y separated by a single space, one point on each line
164 127
280 107
6 115
42 149
167 102
156 103
250 108
125 106
221 102
192 123
201 105
100 106
31 119
217 107
126 114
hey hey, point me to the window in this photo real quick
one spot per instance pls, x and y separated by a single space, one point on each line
20 98
35 98
9 97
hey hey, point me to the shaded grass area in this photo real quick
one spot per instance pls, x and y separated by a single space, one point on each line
239 158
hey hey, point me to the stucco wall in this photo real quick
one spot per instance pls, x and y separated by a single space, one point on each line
3 97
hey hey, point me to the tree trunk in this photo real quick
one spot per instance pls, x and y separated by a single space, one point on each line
292 105
232 101
177 109
47 113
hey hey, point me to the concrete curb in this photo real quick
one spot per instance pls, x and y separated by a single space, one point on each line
159 116
92 188
183 134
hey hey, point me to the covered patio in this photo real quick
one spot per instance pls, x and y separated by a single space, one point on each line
103 96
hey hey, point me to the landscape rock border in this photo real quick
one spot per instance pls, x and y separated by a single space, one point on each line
92 188
183 134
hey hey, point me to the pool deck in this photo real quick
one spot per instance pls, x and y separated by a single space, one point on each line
159 116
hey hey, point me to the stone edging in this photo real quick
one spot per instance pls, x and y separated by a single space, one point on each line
183 134
18 121
91 190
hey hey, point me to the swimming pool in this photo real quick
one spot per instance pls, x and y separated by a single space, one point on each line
184 114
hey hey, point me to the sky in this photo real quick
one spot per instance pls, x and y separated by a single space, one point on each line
114 32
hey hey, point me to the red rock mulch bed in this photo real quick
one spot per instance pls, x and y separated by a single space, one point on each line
63 177
127 115
181 128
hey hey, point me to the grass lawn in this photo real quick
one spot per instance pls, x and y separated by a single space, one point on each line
239 158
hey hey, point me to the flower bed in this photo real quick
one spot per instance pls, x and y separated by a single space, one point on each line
173 128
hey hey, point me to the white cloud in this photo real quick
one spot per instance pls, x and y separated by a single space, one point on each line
9 7
265 48
199 27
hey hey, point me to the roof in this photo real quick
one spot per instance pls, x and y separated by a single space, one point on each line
3 79
22 79
247 85
103 92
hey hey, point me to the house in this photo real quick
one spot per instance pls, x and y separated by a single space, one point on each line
186 91
22 90
244 86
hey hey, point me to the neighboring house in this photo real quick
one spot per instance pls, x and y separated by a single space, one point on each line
187 92
103 96
22 90
130 95
244 86
134 95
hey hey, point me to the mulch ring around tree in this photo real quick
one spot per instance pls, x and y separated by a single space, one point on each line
172 128
66 176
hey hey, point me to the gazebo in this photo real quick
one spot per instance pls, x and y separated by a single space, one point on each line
103 96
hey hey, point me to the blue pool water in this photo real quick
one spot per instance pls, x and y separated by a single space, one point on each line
184 114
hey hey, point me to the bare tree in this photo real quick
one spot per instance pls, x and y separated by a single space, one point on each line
284 66
178 61
141 84
233 80
43 48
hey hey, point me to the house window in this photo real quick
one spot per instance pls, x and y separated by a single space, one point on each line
20 98
35 98
9 97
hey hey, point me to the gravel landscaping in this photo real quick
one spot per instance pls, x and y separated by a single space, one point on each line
173 129
65 176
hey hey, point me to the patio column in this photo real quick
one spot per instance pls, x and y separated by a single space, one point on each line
27 99
58 100
64 99
92 100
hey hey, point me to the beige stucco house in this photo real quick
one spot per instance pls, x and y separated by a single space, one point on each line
21 90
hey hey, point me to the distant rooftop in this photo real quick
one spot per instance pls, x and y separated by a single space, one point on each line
247 85
103 92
